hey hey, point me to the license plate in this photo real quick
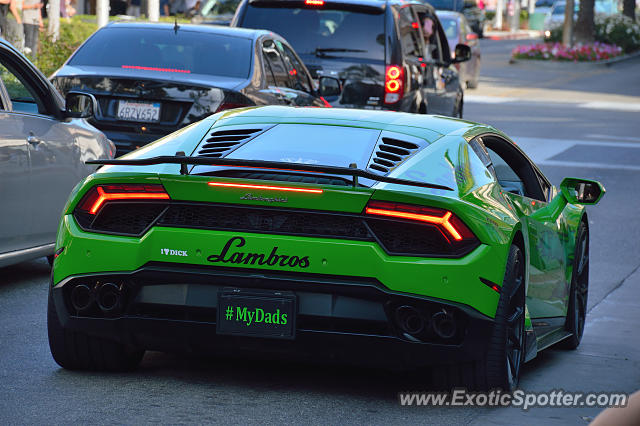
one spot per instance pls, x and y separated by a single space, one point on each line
139 111
256 313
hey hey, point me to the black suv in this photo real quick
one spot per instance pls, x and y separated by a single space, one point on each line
376 48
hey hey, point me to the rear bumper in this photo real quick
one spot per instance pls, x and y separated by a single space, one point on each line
173 308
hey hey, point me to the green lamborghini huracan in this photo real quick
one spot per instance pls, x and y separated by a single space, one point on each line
365 236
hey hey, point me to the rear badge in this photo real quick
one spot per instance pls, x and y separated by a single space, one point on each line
273 259
249 196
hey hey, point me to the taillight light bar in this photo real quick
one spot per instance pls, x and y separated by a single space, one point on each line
265 187
448 223
393 84
97 196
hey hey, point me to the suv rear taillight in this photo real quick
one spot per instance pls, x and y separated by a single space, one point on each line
393 84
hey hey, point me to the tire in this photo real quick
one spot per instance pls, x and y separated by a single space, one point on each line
50 260
579 292
501 365
79 351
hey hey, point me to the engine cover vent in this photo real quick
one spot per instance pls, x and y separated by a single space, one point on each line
392 150
222 141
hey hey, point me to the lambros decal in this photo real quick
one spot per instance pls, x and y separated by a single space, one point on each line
227 255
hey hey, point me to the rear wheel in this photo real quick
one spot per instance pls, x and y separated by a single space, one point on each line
501 365
577 310
79 351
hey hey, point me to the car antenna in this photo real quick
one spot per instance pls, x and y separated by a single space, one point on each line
176 27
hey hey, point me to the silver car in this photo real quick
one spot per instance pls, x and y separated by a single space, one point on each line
44 142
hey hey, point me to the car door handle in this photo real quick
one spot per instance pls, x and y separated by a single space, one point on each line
33 140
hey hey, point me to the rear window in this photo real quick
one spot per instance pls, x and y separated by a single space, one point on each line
323 32
163 50
450 27
312 144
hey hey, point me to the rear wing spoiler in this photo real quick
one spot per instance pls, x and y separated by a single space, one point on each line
183 160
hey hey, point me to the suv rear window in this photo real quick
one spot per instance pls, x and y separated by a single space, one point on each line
186 52
323 32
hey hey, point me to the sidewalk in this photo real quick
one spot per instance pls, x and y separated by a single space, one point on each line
516 35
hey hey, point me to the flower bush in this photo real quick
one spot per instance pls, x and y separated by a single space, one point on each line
619 30
559 52
616 29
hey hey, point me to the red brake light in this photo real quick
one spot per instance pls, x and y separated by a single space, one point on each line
266 187
472 36
137 67
415 25
99 195
314 2
446 221
394 84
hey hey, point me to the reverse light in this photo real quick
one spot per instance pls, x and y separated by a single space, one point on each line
266 187
393 84
446 221
101 194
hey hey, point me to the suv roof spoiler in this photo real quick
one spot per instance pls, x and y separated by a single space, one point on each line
181 159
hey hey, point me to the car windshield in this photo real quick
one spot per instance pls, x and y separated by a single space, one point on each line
166 50
326 33
312 144
450 26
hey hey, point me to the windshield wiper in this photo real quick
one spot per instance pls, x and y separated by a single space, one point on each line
321 52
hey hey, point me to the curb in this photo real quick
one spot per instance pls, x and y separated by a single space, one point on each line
565 64
505 35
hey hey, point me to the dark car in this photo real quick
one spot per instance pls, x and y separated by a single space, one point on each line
376 48
468 8
458 31
152 79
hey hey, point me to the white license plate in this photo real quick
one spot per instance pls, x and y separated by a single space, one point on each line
139 111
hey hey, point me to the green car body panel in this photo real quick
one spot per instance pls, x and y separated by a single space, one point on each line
496 217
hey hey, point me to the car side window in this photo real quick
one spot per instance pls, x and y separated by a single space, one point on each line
409 32
431 34
268 73
513 170
274 59
296 70
21 94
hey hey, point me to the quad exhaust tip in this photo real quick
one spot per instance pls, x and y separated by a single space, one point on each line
108 297
410 319
444 324
81 297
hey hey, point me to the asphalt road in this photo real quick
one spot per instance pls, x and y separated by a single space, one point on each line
564 136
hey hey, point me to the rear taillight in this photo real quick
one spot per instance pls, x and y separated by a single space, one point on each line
99 195
452 235
393 84
314 2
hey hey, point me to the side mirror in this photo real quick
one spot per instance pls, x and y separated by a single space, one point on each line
463 53
80 105
574 191
329 86
582 191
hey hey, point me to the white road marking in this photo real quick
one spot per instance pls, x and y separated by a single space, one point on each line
612 137
479 99
615 106
580 164
600 105
540 150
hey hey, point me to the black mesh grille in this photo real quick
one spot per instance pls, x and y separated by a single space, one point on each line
126 218
265 221
415 239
